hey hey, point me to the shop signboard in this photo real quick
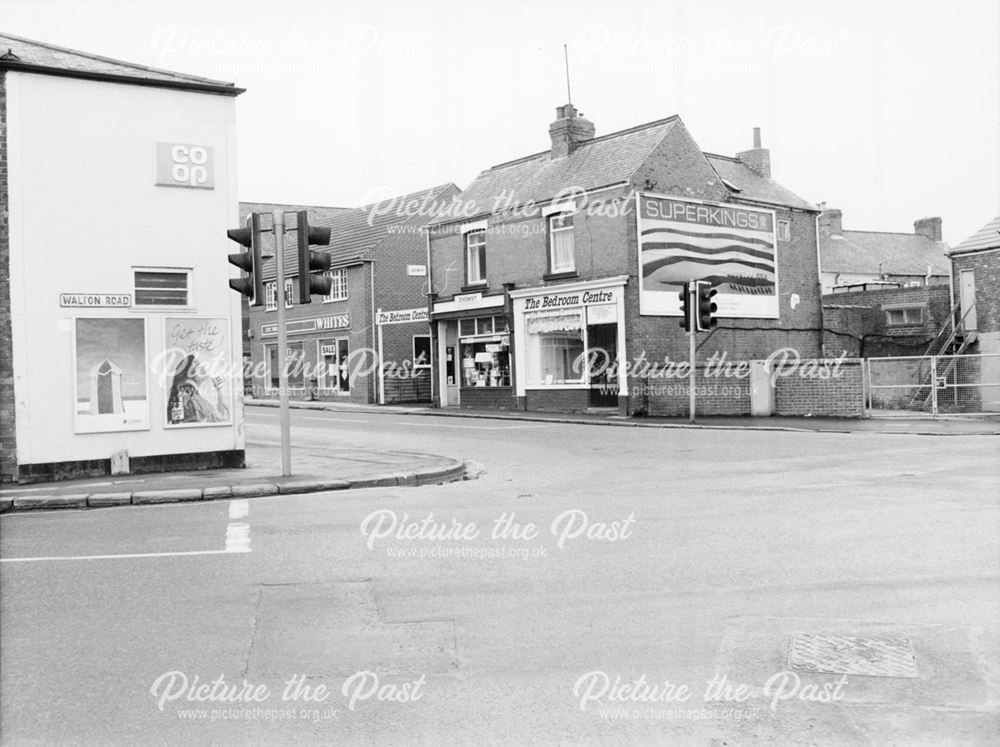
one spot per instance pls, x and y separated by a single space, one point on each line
731 246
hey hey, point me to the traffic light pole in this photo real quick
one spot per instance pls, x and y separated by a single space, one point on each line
283 411
692 327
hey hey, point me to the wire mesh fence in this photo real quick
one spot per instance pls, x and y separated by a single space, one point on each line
934 384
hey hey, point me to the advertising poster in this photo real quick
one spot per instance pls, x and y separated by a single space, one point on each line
110 378
197 372
733 247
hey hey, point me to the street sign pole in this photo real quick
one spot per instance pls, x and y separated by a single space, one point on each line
283 412
692 326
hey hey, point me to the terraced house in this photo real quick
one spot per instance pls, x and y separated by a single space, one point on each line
556 283
368 341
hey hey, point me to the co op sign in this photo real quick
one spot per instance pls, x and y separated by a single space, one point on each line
183 165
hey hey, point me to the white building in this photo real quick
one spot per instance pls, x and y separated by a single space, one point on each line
118 331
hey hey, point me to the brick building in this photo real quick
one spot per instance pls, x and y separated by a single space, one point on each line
883 322
104 331
858 260
377 308
555 278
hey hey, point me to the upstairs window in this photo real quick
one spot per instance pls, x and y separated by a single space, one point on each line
475 257
270 296
784 230
161 287
561 243
289 293
338 288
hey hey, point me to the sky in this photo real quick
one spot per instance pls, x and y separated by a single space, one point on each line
887 110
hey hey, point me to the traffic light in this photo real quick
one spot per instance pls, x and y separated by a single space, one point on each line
252 284
685 308
310 261
706 307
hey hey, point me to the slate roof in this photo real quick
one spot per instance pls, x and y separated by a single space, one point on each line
602 161
987 237
752 186
27 55
876 252
356 233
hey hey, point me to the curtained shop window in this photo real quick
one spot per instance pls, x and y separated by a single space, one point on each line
555 349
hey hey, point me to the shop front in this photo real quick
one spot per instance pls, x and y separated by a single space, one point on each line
568 340
474 352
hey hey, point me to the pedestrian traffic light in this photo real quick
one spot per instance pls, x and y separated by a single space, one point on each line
251 284
706 306
684 295
311 261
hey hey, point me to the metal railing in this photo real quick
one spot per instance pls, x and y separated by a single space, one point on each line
934 384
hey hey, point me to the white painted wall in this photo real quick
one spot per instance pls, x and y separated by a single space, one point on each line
84 209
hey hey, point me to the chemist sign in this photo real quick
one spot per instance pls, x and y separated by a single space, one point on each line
185 165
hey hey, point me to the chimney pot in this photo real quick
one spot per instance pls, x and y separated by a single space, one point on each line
756 137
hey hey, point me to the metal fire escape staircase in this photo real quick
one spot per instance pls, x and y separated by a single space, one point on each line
954 344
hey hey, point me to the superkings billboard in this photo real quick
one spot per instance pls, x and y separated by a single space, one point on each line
732 247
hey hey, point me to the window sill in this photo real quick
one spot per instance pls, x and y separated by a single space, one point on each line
571 274
475 287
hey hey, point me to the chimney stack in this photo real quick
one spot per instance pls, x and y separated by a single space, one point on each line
830 222
758 159
569 130
929 227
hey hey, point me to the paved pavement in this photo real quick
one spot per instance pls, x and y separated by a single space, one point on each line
313 470
914 424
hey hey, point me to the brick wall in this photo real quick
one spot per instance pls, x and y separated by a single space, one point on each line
8 444
856 321
360 335
489 398
986 269
557 400
836 396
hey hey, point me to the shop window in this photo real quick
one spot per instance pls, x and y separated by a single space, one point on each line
334 369
561 243
161 287
294 362
338 288
475 257
784 230
484 351
895 317
270 296
555 349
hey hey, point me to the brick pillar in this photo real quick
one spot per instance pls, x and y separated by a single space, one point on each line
8 445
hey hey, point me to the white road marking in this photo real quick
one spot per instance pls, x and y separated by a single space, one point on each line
131 555
237 541
238 532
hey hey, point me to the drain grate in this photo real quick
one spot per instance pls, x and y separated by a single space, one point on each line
871 657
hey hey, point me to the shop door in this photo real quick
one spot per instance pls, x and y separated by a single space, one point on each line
602 344
453 373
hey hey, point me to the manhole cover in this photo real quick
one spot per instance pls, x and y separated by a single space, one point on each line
871 657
